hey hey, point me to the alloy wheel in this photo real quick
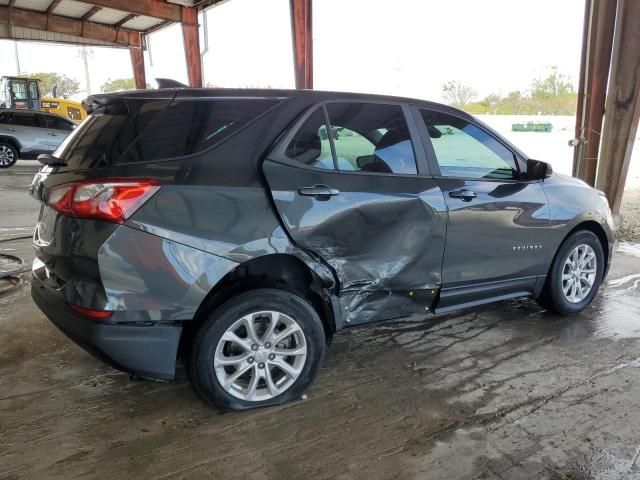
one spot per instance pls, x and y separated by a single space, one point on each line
260 356
579 273
7 156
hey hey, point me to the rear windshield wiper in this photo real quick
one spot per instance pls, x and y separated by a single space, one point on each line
48 159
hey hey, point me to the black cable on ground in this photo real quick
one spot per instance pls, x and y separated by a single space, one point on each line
22 237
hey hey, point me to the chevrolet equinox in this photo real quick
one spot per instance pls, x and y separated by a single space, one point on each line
240 229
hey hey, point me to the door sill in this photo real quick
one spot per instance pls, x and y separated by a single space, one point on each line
479 294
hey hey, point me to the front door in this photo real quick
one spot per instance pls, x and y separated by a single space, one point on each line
356 192
498 221
30 129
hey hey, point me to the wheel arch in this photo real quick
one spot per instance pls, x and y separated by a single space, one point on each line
593 227
278 270
11 141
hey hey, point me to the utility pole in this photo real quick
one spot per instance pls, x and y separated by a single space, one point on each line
84 52
15 51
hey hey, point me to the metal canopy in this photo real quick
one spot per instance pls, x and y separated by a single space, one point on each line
114 23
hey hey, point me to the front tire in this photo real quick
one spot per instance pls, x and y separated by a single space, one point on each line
263 347
575 275
8 155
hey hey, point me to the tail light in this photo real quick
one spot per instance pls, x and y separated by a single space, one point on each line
110 200
89 312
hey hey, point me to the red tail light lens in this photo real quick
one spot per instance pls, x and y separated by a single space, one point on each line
110 200
89 312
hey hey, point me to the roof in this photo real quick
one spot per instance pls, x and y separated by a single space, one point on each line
313 96
91 22
24 110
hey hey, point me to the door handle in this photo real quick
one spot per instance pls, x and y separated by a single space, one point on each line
12 129
321 192
464 195
51 134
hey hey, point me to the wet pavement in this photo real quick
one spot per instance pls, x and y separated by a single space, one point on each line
504 391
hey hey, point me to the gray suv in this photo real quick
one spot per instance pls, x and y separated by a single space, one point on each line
28 133
240 229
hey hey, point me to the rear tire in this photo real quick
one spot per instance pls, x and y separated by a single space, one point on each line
575 275
8 155
263 347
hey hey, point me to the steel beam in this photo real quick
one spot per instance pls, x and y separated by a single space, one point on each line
582 84
192 45
301 33
595 65
150 8
52 5
137 65
70 26
623 104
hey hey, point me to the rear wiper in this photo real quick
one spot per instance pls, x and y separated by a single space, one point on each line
48 159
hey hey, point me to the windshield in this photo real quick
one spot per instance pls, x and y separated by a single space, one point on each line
18 90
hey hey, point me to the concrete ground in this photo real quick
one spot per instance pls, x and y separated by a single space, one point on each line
505 391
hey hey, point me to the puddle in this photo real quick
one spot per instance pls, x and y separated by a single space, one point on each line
628 248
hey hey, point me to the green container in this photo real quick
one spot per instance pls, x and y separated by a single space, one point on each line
532 127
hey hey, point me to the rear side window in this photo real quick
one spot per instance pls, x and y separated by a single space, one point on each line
145 130
190 126
366 137
58 123
25 119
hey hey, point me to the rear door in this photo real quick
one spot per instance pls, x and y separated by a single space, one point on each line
498 221
58 129
351 185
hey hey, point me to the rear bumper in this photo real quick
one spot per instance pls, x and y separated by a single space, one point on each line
145 350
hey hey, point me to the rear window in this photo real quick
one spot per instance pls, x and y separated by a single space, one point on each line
157 130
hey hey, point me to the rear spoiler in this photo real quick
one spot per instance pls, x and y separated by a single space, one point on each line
93 102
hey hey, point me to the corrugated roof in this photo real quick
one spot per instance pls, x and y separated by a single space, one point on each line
142 23
39 5
72 8
108 16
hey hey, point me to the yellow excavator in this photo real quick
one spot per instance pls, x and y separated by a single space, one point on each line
24 93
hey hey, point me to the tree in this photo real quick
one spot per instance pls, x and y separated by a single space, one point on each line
458 94
118 85
553 85
492 101
66 86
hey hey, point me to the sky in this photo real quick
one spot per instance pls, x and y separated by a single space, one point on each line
401 47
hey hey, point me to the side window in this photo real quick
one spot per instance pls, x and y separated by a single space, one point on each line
186 127
33 90
464 150
25 119
74 113
58 123
311 144
371 138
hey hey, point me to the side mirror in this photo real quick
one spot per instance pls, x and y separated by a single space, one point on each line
538 170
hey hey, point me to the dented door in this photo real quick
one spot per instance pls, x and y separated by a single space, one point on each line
383 235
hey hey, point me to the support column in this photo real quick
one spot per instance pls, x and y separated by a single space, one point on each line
301 32
596 58
623 104
191 39
137 65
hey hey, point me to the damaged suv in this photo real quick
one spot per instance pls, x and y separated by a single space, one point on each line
240 229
